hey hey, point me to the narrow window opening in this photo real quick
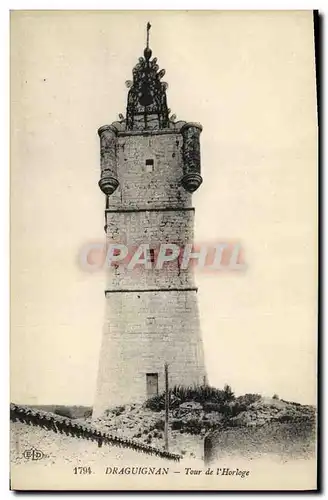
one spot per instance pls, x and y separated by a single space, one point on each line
149 167
152 255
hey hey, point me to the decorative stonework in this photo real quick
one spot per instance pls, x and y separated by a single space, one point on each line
191 156
147 105
108 159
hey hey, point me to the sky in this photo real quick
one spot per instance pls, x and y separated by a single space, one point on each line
248 78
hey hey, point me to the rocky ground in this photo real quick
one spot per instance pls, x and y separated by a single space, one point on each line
189 423
271 409
141 424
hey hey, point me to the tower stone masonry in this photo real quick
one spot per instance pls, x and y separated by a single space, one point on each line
150 166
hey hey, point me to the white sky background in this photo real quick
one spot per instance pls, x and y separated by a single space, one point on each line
249 79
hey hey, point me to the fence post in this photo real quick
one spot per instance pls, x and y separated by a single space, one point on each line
167 402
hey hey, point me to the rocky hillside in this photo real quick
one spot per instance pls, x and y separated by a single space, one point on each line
191 420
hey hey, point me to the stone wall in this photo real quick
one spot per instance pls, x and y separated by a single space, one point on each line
150 227
277 441
141 188
143 331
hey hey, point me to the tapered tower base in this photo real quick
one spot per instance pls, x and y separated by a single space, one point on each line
144 331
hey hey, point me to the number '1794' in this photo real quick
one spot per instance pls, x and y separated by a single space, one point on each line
82 470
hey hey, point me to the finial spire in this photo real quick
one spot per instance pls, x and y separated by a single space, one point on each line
147 51
148 29
147 106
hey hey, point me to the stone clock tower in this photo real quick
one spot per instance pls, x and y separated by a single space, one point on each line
150 166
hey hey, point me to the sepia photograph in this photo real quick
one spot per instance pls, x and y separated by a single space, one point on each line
164 250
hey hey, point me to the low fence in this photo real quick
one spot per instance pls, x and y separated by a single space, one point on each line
64 425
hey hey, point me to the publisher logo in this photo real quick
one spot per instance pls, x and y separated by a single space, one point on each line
33 454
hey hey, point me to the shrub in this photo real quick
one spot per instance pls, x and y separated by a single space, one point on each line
193 426
176 425
240 404
209 407
248 399
237 408
203 394
156 403
228 394
275 396
230 410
